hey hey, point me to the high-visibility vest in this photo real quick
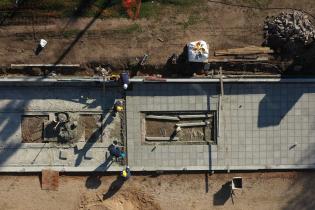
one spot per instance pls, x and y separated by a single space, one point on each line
124 174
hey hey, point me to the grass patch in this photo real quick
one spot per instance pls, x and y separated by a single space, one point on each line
181 2
89 8
53 5
149 9
134 28
254 3
192 20
70 33
7 3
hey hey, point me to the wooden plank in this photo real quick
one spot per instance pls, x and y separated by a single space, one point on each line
194 116
46 65
161 138
244 51
227 60
195 124
50 180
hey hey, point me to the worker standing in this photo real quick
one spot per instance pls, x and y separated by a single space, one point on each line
125 79
132 8
125 174
116 152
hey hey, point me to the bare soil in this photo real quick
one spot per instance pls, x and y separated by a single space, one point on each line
32 128
273 190
92 124
119 41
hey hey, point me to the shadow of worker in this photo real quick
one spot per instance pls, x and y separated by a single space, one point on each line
220 197
114 187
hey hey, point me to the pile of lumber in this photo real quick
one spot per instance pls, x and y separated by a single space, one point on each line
250 53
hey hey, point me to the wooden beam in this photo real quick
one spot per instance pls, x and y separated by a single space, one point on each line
244 51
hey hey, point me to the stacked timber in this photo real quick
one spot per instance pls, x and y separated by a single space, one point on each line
244 54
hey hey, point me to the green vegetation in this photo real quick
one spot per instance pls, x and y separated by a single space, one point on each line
149 9
254 3
6 3
90 8
258 3
130 29
192 20
70 33
181 2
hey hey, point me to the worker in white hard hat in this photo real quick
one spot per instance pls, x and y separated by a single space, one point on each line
124 76
126 173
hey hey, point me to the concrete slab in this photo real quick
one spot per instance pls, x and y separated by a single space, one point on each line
20 98
263 125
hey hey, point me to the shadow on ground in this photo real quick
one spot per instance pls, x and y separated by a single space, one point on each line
82 32
223 195
305 199
114 187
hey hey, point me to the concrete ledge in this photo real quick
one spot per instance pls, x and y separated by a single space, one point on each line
241 80
46 81
223 168
60 168
116 168
99 80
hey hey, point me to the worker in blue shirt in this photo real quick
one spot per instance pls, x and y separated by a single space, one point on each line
116 152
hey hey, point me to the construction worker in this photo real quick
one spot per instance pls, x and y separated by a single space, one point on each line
132 8
119 106
125 79
116 152
125 174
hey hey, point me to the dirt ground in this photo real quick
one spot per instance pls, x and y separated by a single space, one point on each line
275 190
120 41
32 128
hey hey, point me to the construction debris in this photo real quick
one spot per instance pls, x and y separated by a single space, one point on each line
50 180
144 59
41 44
160 39
288 29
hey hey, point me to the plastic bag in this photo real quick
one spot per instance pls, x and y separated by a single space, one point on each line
198 51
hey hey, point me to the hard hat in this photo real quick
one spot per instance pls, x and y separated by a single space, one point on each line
119 108
42 43
125 86
124 173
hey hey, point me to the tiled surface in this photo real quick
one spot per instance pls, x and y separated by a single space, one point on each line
262 125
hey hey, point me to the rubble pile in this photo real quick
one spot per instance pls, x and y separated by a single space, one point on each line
288 30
